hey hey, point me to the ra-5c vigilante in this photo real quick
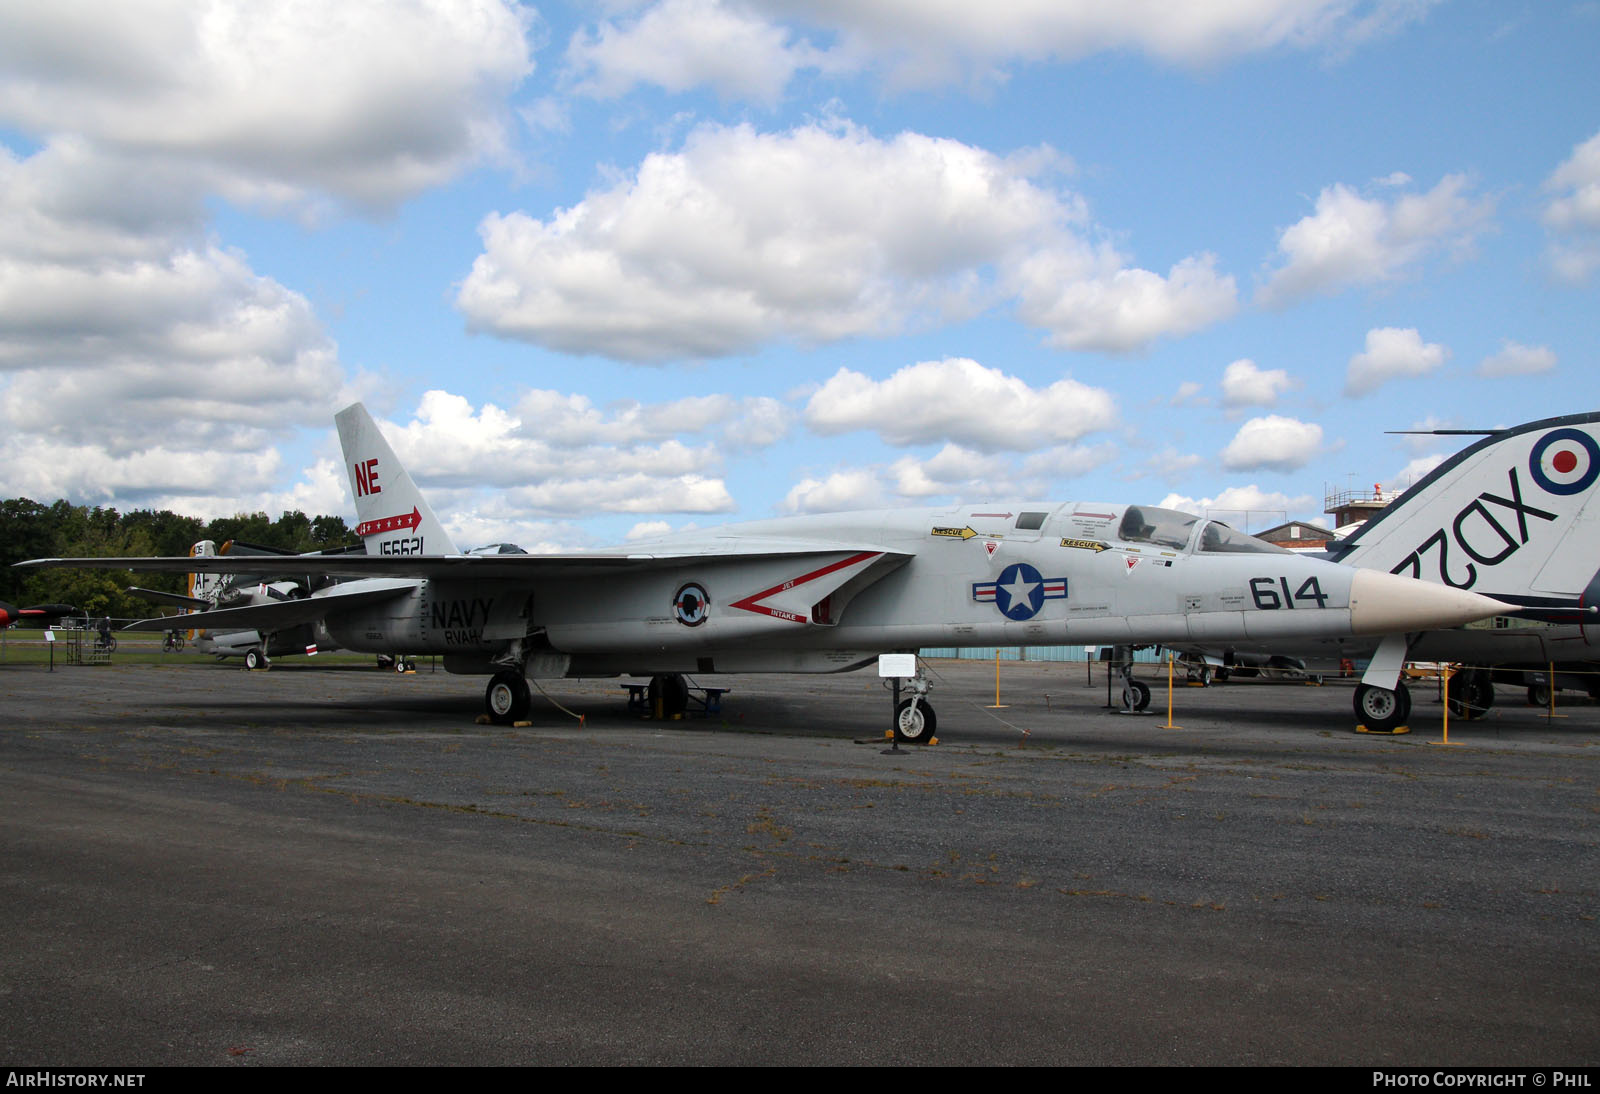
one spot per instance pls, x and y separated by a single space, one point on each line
820 593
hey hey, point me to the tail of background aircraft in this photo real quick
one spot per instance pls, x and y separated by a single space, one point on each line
205 586
393 518
1512 517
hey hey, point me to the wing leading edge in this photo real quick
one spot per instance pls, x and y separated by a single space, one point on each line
511 568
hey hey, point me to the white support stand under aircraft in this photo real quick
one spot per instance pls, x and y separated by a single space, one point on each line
830 593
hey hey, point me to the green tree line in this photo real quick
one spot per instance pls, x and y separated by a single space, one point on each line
29 529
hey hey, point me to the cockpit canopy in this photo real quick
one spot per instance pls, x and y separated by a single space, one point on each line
1172 529
1218 537
1157 527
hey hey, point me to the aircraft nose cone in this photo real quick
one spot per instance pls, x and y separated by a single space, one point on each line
1383 603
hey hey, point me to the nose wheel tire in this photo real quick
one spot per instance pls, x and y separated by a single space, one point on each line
914 726
507 698
1382 710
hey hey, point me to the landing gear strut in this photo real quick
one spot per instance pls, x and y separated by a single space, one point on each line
1135 693
507 700
914 719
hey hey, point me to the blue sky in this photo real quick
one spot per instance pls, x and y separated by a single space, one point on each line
610 269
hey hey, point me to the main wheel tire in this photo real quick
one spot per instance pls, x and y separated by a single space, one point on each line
1539 695
1140 696
917 726
254 659
669 695
507 699
1470 694
1380 709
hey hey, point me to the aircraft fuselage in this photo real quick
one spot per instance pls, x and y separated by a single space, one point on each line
1006 574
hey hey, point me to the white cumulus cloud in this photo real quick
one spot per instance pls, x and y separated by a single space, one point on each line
815 235
141 362
1572 214
1356 240
682 44
1516 359
1246 384
1248 508
1391 353
368 100
1272 443
853 488
959 400
568 460
752 48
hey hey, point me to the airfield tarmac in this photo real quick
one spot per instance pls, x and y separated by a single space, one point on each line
320 865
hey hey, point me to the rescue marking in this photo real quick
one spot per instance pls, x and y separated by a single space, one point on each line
1020 591
1086 545
954 533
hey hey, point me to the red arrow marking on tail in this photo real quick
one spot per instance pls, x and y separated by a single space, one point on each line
408 521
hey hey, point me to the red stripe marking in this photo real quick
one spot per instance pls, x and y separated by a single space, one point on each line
749 603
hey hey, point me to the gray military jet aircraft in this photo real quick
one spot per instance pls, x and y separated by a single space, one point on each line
814 593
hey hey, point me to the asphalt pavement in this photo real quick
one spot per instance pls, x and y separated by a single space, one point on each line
336 865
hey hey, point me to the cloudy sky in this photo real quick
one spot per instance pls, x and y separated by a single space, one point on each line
607 269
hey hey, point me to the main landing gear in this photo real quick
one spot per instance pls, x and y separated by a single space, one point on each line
668 695
1470 693
508 699
1135 693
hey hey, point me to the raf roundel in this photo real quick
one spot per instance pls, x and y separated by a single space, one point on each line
1565 461
690 604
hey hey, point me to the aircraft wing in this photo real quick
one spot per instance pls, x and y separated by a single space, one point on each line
510 568
277 614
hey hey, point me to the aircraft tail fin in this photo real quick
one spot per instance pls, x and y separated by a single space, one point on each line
393 517
1515 516
205 587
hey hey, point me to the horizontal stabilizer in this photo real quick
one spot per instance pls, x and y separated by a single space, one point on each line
279 614
159 596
